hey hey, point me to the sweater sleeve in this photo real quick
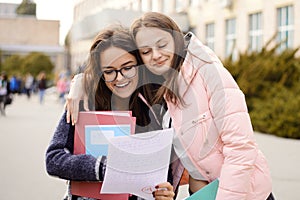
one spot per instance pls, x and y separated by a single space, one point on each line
62 163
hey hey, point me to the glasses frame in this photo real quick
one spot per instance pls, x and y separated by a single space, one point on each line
120 71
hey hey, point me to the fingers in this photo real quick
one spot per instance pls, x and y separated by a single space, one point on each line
72 107
74 112
76 94
68 107
165 185
164 191
85 103
68 112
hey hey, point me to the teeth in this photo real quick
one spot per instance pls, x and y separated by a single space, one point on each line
122 85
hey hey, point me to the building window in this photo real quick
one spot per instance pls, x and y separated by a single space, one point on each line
193 3
179 5
285 27
166 8
230 36
146 5
155 5
210 35
135 5
255 32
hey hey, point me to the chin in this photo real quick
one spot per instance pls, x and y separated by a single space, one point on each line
125 95
159 70
156 71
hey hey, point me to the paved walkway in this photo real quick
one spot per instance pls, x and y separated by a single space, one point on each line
26 131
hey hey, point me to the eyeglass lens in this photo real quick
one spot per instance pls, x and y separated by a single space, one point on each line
126 72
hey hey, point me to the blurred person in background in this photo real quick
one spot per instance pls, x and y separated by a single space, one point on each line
28 84
4 92
62 86
42 86
14 84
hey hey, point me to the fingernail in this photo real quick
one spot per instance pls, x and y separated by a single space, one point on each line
156 187
153 194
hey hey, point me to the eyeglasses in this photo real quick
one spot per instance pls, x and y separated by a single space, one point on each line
111 75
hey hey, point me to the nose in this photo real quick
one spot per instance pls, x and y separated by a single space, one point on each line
119 76
156 54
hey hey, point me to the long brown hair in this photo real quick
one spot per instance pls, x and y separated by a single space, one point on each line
99 94
165 23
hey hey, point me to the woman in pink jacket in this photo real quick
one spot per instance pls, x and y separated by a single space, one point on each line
214 136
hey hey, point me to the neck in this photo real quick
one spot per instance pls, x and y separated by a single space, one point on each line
119 103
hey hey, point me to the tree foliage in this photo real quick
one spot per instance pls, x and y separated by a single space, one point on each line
36 62
271 83
12 65
27 7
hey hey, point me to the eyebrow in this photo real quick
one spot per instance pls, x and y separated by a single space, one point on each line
124 64
158 41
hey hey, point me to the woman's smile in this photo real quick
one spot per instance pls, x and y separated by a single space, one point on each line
122 85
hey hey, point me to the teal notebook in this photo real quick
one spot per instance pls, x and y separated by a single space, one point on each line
209 192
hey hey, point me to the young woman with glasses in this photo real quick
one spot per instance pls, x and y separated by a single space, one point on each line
112 80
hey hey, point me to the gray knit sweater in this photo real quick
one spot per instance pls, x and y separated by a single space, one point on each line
62 163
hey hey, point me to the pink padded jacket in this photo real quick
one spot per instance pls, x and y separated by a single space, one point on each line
215 130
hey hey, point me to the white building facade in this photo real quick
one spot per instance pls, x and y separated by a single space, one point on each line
232 26
226 26
90 16
22 34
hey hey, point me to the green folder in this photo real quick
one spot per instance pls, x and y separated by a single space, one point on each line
209 192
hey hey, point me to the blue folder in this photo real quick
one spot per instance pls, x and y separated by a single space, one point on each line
209 192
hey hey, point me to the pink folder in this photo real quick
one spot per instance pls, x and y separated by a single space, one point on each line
92 189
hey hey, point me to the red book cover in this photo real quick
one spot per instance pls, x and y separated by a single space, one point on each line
87 140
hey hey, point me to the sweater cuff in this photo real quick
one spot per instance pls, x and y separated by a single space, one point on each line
100 167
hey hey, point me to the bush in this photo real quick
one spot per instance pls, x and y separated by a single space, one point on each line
36 62
33 63
271 83
12 65
278 113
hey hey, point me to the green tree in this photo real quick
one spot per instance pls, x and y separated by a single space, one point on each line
27 7
12 65
36 62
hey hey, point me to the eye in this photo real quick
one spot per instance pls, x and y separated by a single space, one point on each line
108 72
144 51
127 68
162 45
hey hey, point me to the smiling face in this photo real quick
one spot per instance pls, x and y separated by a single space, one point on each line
156 48
115 58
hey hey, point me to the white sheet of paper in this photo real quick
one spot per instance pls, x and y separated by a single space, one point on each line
137 163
